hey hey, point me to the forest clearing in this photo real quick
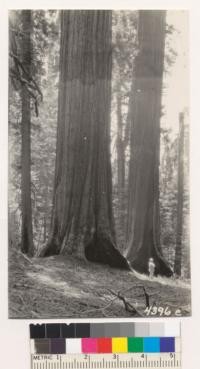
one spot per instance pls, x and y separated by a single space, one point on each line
59 286
98 164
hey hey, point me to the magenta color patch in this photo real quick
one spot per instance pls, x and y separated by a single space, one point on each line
89 345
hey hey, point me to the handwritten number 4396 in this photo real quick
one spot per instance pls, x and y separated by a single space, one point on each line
161 311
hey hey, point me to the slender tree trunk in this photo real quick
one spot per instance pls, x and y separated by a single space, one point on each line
120 162
82 220
44 229
130 117
26 228
179 232
45 224
120 147
143 211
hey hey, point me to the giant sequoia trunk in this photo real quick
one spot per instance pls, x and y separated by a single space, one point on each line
82 220
179 234
143 212
26 229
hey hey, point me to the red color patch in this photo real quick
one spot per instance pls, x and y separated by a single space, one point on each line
104 345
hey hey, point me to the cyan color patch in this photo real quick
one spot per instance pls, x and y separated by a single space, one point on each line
151 344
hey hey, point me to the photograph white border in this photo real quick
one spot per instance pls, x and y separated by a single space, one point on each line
14 334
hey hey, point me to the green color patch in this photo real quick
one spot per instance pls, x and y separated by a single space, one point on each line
135 344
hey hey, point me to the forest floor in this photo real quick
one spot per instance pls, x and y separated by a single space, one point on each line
61 287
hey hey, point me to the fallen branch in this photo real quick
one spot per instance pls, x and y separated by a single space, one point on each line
100 308
34 314
24 256
128 306
146 295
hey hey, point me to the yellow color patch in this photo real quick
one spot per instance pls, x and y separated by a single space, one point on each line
119 345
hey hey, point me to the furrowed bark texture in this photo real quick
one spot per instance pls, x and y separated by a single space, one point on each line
82 221
143 211
26 229
179 234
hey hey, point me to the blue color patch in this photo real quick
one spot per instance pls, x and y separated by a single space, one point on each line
151 344
167 344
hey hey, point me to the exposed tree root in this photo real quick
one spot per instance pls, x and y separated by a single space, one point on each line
102 250
140 263
99 250
52 247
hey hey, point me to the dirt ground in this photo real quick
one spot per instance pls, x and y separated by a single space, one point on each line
61 287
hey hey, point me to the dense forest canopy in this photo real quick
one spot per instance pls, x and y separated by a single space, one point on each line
81 67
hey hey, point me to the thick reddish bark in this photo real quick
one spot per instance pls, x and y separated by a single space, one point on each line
143 212
82 221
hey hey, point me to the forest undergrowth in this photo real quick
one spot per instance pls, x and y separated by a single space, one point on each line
58 286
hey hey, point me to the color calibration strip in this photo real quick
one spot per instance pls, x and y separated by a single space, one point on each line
99 330
106 345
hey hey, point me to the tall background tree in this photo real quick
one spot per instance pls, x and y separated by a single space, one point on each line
180 198
28 40
124 50
143 213
26 229
21 72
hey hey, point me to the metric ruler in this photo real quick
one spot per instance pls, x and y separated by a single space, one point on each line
106 361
